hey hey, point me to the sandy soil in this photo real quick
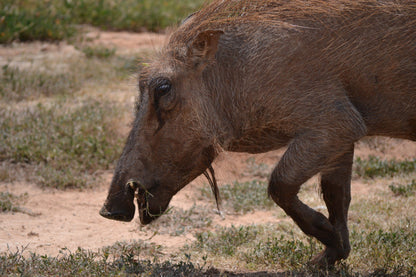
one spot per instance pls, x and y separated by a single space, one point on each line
57 219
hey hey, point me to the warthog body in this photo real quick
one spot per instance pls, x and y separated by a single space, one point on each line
254 76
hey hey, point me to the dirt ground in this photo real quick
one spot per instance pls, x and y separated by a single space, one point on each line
57 219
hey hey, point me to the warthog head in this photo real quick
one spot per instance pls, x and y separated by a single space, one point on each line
174 135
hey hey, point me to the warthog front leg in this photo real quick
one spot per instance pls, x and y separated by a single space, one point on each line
306 156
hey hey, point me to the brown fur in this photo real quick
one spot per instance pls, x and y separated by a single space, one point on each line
254 76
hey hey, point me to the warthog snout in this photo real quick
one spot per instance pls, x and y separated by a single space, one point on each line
119 206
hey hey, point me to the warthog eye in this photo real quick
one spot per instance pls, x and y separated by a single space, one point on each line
162 89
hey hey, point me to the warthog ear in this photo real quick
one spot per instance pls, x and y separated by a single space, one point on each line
203 48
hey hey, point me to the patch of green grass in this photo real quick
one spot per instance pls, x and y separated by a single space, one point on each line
404 190
57 176
26 20
4 173
137 248
65 142
375 167
226 241
380 210
258 246
21 84
98 52
63 78
131 15
9 202
376 252
108 262
282 251
258 170
177 221
391 250
243 197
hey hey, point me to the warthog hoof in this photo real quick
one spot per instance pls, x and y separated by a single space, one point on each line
328 257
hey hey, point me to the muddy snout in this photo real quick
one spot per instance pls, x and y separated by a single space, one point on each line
120 206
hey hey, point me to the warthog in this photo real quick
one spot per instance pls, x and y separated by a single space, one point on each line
254 76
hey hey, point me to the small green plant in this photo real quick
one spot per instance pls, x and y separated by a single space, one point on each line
136 248
178 221
9 202
61 178
286 252
100 52
243 197
374 167
258 170
226 241
404 190
4 173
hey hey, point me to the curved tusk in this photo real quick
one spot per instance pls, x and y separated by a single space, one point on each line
132 184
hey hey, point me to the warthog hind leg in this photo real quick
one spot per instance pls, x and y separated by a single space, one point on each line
336 190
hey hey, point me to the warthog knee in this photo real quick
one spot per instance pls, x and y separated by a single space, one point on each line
281 194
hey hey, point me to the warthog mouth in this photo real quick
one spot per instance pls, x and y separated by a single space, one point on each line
142 197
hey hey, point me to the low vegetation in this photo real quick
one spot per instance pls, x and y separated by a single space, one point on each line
111 261
375 252
375 167
10 202
257 170
64 77
33 20
242 197
261 249
48 123
65 143
20 84
98 52
404 190
177 221
27 20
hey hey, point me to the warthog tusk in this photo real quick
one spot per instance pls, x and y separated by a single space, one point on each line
134 186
